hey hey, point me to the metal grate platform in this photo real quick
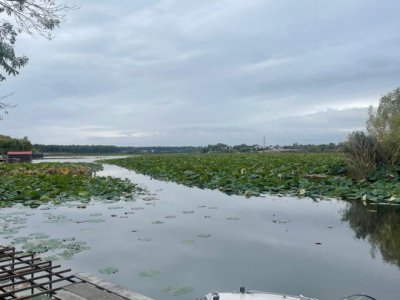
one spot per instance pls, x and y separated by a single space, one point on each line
23 275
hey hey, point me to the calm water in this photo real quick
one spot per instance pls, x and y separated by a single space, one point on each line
197 240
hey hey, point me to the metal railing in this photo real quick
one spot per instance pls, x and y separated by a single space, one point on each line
23 275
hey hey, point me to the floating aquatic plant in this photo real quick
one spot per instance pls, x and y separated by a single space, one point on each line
300 174
280 221
178 291
36 184
96 214
149 274
20 240
115 207
157 222
204 235
108 270
38 236
188 242
42 246
51 218
144 239
41 243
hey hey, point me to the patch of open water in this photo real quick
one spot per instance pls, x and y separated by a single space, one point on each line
180 243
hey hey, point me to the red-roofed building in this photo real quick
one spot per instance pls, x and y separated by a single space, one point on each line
19 156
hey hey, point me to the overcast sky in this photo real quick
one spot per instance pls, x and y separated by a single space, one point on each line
197 72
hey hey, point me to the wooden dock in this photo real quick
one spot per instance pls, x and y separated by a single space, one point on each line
93 288
24 276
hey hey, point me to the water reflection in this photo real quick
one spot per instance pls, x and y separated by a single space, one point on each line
379 226
176 242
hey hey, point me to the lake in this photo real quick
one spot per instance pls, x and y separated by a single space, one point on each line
176 242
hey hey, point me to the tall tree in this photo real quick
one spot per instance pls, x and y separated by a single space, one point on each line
34 17
384 125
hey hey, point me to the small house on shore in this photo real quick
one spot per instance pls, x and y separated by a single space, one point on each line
19 156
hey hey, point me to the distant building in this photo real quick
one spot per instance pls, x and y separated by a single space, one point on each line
37 155
19 156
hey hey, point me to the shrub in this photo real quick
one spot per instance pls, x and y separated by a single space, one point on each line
380 147
384 125
363 154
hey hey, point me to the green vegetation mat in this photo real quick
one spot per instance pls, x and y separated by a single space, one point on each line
308 175
35 184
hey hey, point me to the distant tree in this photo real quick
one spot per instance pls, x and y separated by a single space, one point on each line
34 17
11 144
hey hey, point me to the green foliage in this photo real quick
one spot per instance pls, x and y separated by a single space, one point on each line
10 144
45 168
35 184
384 125
108 270
108 149
300 174
178 291
150 274
8 59
35 17
363 154
380 147
380 228
217 148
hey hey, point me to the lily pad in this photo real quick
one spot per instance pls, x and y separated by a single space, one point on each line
20 240
233 218
96 215
144 239
188 242
157 222
149 274
39 236
178 291
280 221
204 235
108 270
115 207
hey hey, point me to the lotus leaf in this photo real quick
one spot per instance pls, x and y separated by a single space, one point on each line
157 222
311 175
178 291
149 274
108 270
35 184
188 242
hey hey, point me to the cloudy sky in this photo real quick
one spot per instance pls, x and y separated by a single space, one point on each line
195 72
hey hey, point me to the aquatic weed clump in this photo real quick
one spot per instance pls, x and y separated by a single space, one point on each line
298 174
35 184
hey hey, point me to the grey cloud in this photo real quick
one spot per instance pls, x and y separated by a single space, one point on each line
197 72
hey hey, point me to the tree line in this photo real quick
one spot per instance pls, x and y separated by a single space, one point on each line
11 144
217 148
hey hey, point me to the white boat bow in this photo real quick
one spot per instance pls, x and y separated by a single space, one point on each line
254 296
